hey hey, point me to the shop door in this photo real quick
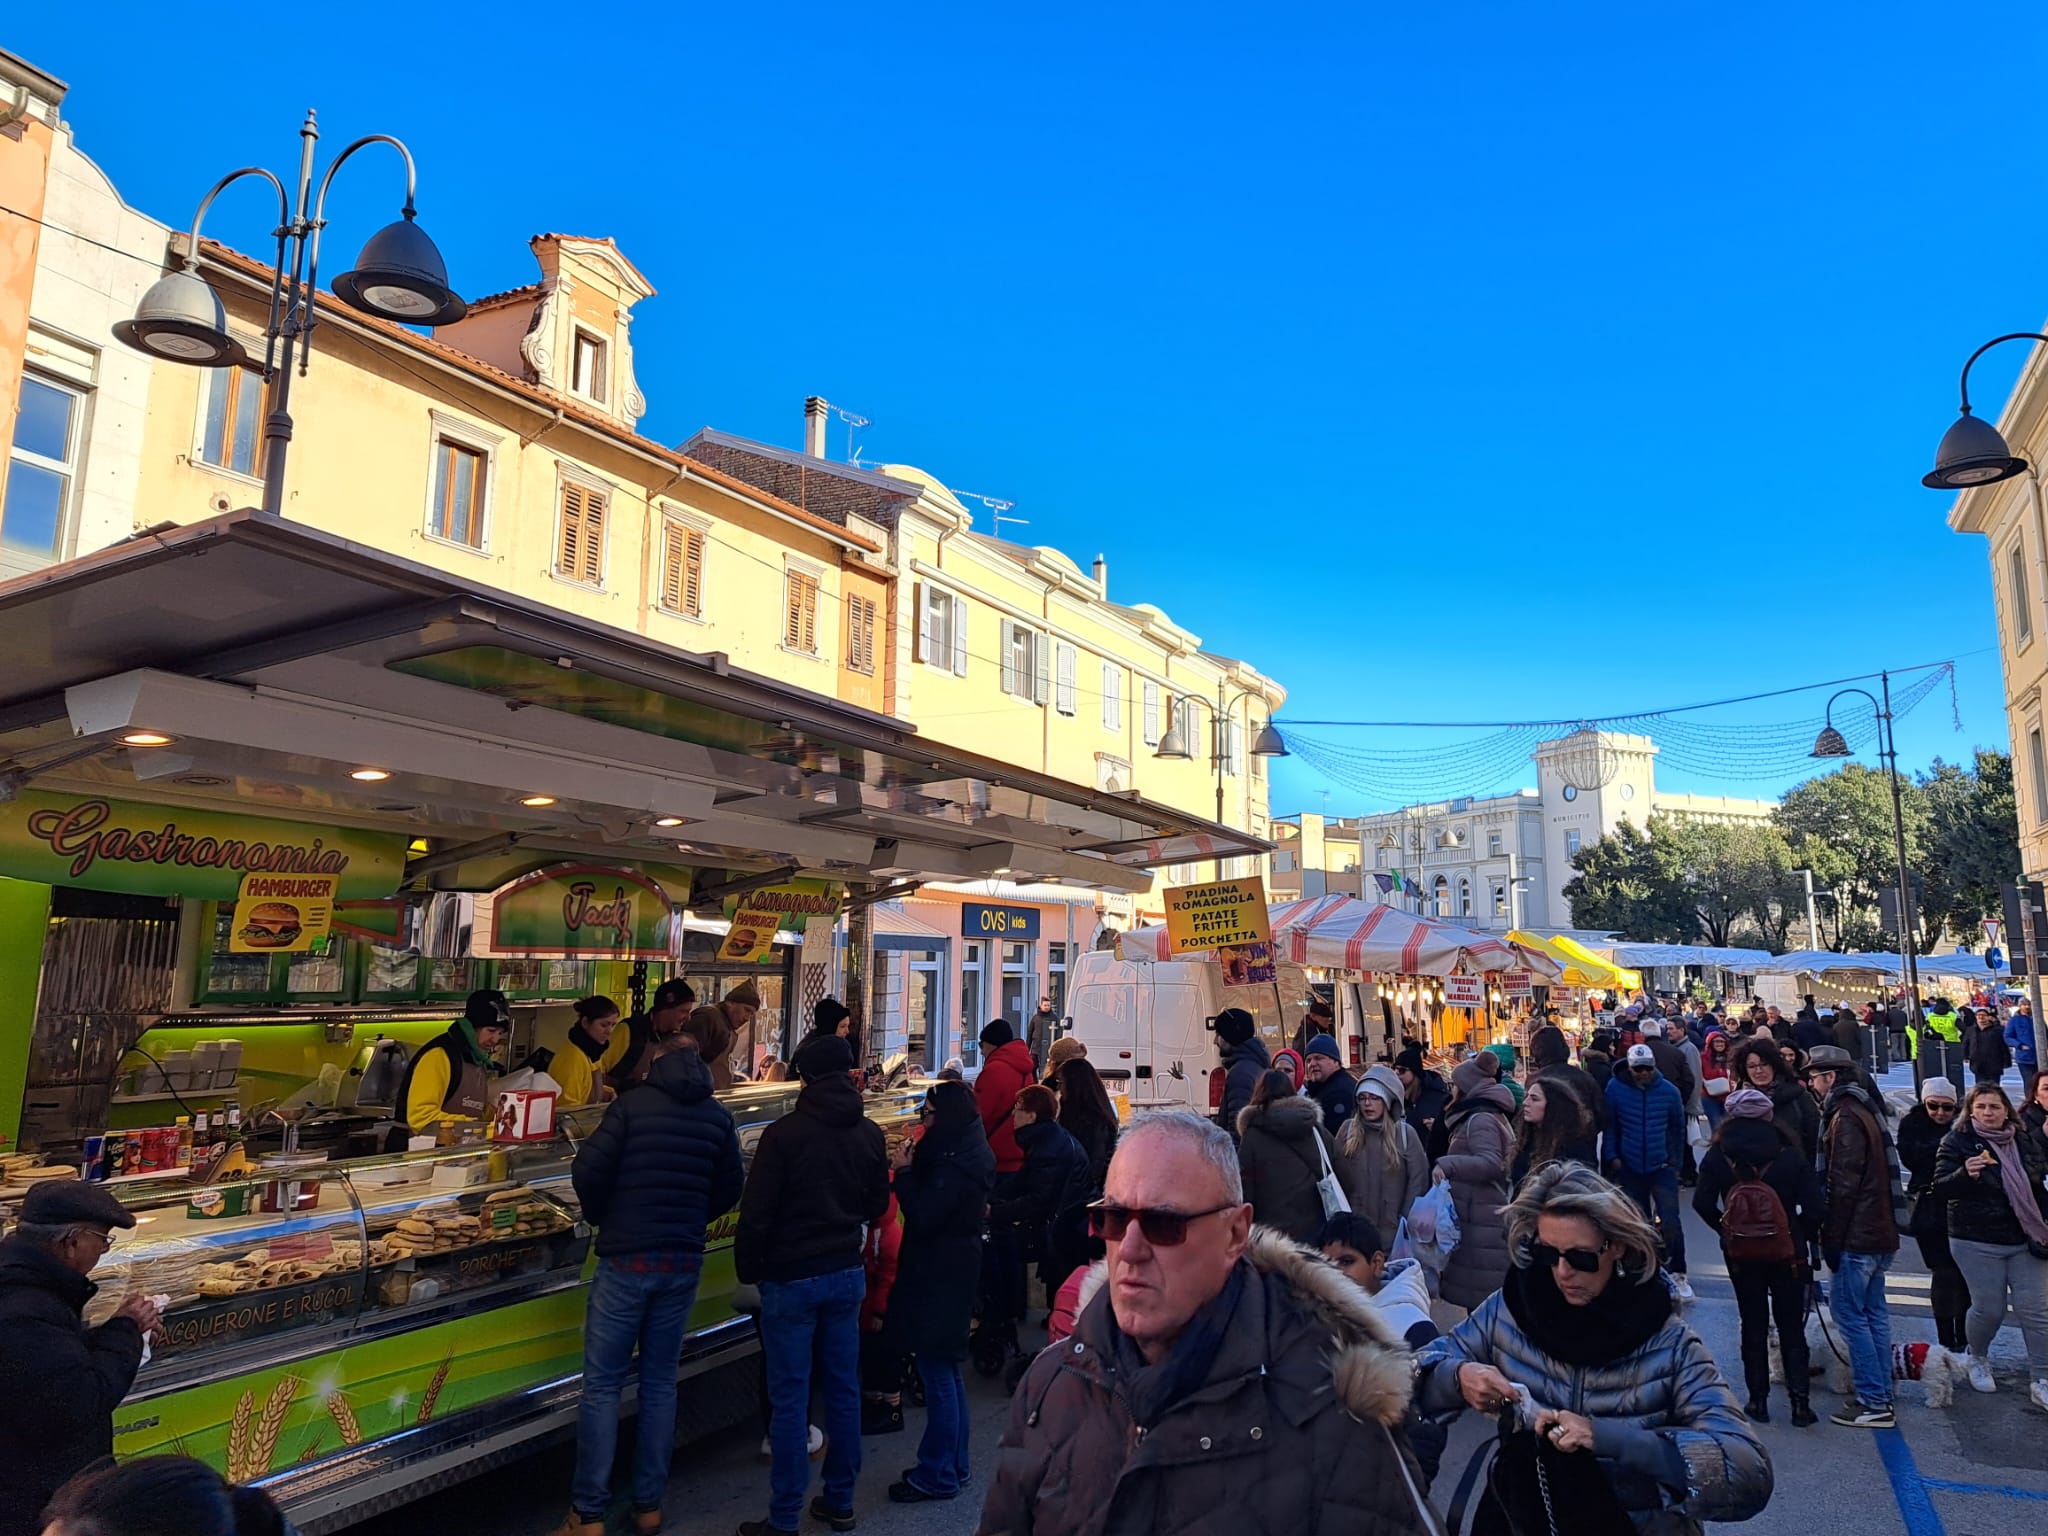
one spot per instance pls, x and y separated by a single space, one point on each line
1020 985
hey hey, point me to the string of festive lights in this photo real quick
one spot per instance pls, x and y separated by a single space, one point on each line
1689 738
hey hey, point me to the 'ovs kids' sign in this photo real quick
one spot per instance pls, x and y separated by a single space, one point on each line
990 920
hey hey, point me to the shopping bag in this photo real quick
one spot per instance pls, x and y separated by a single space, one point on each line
1327 1187
1433 1227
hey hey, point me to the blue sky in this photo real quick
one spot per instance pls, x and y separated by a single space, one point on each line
1494 361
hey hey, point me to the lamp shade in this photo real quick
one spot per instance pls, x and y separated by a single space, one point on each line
1268 742
1830 743
1972 452
181 320
401 276
1172 747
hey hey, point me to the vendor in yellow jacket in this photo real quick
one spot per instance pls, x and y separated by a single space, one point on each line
449 1079
596 1045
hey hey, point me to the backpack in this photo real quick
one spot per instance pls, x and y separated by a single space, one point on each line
1755 1228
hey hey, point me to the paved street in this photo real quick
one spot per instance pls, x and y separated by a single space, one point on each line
1974 1469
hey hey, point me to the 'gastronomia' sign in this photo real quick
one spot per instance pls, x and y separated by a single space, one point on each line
99 844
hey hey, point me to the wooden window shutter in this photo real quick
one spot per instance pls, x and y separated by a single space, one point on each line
800 619
580 554
693 574
569 548
792 615
959 636
682 570
924 621
593 538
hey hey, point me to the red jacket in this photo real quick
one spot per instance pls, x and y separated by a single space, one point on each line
885 1245
1007 1073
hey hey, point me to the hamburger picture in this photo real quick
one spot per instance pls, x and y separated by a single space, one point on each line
740 942
270 925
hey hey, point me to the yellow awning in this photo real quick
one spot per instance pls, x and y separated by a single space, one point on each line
1582 968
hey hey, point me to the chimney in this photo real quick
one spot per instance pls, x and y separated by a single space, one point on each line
1102 574
814 425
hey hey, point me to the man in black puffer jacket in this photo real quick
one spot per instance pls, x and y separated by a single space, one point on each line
1245 1058
820 1177
660 1168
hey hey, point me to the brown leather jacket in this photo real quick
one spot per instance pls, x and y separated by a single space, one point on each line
1295 1430
1859 1188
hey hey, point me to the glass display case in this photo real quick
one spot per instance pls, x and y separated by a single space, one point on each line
304 1255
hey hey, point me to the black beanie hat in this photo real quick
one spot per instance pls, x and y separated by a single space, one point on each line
826 1056
1234 1026
997 1032
1410 1060
826 1014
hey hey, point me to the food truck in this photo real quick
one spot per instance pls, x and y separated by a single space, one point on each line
271 806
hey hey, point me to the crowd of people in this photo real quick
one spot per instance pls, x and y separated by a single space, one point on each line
1263 1288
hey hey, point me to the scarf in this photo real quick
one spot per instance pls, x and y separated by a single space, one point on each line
471 1046
1154 1390
2012 1173
1610 1327
1895 1183
584 1043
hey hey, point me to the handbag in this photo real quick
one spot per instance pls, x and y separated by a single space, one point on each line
1533 1489
1327 1188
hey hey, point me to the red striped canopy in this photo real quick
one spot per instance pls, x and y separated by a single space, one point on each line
1342 933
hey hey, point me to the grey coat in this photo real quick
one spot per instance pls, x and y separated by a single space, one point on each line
1481 1152
1381 1194
1668 1390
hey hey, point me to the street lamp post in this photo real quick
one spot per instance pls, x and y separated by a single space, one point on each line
1173 745
1974 453
1831 743
399 276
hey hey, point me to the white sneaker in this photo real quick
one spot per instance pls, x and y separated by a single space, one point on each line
1681 1288
2039 1393
813 1449
1980 1374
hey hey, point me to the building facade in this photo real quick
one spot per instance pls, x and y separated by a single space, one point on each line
1494 861
2009 516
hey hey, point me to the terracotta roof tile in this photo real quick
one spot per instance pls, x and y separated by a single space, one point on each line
523 291
545 399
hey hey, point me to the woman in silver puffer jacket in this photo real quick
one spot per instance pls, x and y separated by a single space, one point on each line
1586 1324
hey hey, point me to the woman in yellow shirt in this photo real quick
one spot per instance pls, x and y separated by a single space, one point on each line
596 1045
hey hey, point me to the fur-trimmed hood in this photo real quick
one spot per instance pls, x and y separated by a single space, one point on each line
1291 1119
1371 1370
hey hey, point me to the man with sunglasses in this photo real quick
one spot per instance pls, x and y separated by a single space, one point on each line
1218 1377
60 1381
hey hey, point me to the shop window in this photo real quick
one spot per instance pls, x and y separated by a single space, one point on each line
1056 977
942 629
921 1023
974 1005
1020 985
42 467
579 539
231 435
861 616
457 511
682 569
232 976
390 971
800 612
1112 697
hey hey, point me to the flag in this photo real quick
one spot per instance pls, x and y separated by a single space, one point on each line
1386 883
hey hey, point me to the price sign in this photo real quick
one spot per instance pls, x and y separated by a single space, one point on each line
1464 991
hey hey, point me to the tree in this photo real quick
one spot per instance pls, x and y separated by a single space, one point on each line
1632 884
1973 842
1839 825
1731 871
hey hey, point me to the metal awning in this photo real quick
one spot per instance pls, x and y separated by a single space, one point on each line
281 659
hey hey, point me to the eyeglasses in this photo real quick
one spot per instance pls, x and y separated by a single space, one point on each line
1585 1260
1937 1107
105 1239
1162 1229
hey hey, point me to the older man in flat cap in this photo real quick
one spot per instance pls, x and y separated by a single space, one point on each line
60 1381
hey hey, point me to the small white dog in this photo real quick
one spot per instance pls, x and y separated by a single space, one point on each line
1936 1369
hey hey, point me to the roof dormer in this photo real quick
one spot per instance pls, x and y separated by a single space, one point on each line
567 332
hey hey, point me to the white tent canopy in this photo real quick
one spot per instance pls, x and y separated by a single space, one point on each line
1642 956
1826 962
1342 933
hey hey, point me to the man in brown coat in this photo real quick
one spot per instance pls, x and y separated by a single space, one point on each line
1861 1234
1218 1378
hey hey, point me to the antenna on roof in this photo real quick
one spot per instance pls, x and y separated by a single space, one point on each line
997 507
854 422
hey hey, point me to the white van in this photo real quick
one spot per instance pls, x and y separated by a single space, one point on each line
1147 1025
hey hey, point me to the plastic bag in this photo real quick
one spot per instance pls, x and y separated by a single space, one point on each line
1433 1227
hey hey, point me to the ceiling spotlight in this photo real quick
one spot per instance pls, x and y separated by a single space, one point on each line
668 821
371 775
145 739
537 801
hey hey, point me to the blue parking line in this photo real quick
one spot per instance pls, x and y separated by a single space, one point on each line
1909 1488
1943 1485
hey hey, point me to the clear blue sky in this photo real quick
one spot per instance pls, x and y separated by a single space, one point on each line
1492 361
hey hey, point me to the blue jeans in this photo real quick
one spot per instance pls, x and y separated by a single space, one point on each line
1856 1300
798 1317
626 1308
1657 1196
942 1466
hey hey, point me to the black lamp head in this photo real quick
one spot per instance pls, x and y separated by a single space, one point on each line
1831 743
1972 452
400 276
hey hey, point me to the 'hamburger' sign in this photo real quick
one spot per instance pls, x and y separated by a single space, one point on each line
281 914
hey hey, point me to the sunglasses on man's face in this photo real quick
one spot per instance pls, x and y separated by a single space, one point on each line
1162 1228
1585 1260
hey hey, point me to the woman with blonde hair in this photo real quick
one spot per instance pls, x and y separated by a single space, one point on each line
1380 1160
1627 1406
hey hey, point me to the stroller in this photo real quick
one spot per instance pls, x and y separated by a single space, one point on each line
999 1305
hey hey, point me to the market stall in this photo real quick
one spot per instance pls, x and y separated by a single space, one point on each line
271 805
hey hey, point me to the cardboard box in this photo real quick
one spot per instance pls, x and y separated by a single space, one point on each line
524 1114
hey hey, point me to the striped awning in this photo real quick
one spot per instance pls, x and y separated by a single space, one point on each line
1342 933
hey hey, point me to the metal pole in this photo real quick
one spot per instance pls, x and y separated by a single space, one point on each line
2027 911
277 418
1908 919
1216 762
1812 922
